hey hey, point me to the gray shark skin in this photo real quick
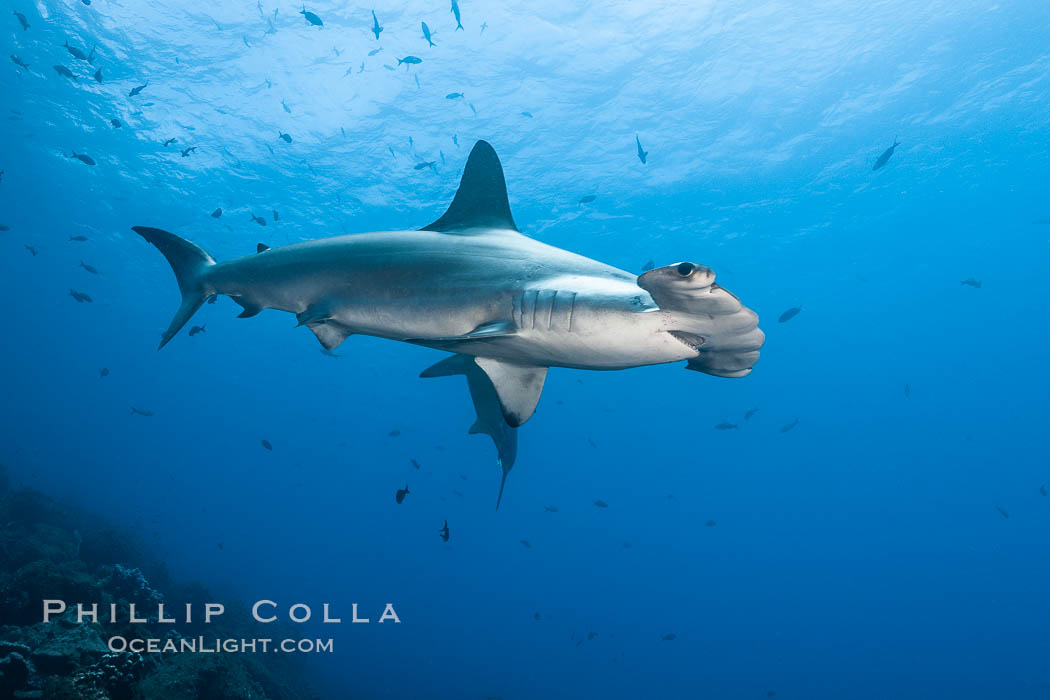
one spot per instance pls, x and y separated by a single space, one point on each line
470 283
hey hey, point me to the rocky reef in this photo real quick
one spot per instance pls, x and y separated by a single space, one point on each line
53 551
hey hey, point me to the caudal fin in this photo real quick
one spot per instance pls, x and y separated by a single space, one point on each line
189 262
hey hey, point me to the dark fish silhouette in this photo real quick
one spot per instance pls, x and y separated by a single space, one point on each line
726 425
789 314
426 34
453 95
311 17
276 216
168 142
284 137
78 239
375 25
79 296
669 637
1002 512
907 391
137 90
116 123
550 509
217 213
527 114
187 151
22 21
197 329
409 61
98 76
62 70
455 13
394 433
75 52
588 198
4 227
710 523
266 444
971 282
104 372
373 52
19 62
601 504
88 268
259 220
648 266
86 160
415 464
789 426
31 249
885 157
425 164
526 544
444 530
642 155
1042 490
141 412
750 412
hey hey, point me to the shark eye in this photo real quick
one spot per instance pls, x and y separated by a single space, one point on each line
686 269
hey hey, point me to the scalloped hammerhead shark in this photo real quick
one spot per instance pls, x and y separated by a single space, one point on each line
508 307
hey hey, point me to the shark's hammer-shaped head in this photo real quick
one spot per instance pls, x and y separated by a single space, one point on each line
707 318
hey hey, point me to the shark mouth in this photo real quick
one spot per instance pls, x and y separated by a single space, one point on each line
691 340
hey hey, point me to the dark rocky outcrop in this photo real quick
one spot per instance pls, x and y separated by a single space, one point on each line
51 551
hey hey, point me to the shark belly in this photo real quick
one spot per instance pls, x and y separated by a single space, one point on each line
608 326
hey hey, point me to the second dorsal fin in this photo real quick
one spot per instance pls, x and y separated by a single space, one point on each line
481 200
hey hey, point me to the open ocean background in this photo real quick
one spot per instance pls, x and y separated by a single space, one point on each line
889 545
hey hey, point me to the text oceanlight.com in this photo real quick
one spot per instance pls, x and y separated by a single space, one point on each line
202 645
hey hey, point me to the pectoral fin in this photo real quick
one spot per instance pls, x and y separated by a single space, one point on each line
490 420
517 386
495 329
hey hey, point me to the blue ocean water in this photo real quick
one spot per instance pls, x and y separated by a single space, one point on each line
891 544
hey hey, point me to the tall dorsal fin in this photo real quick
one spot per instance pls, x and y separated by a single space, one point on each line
481 200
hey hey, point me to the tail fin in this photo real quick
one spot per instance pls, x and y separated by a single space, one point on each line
189 262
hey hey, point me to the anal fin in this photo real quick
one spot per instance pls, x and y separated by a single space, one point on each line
331 335
250 309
